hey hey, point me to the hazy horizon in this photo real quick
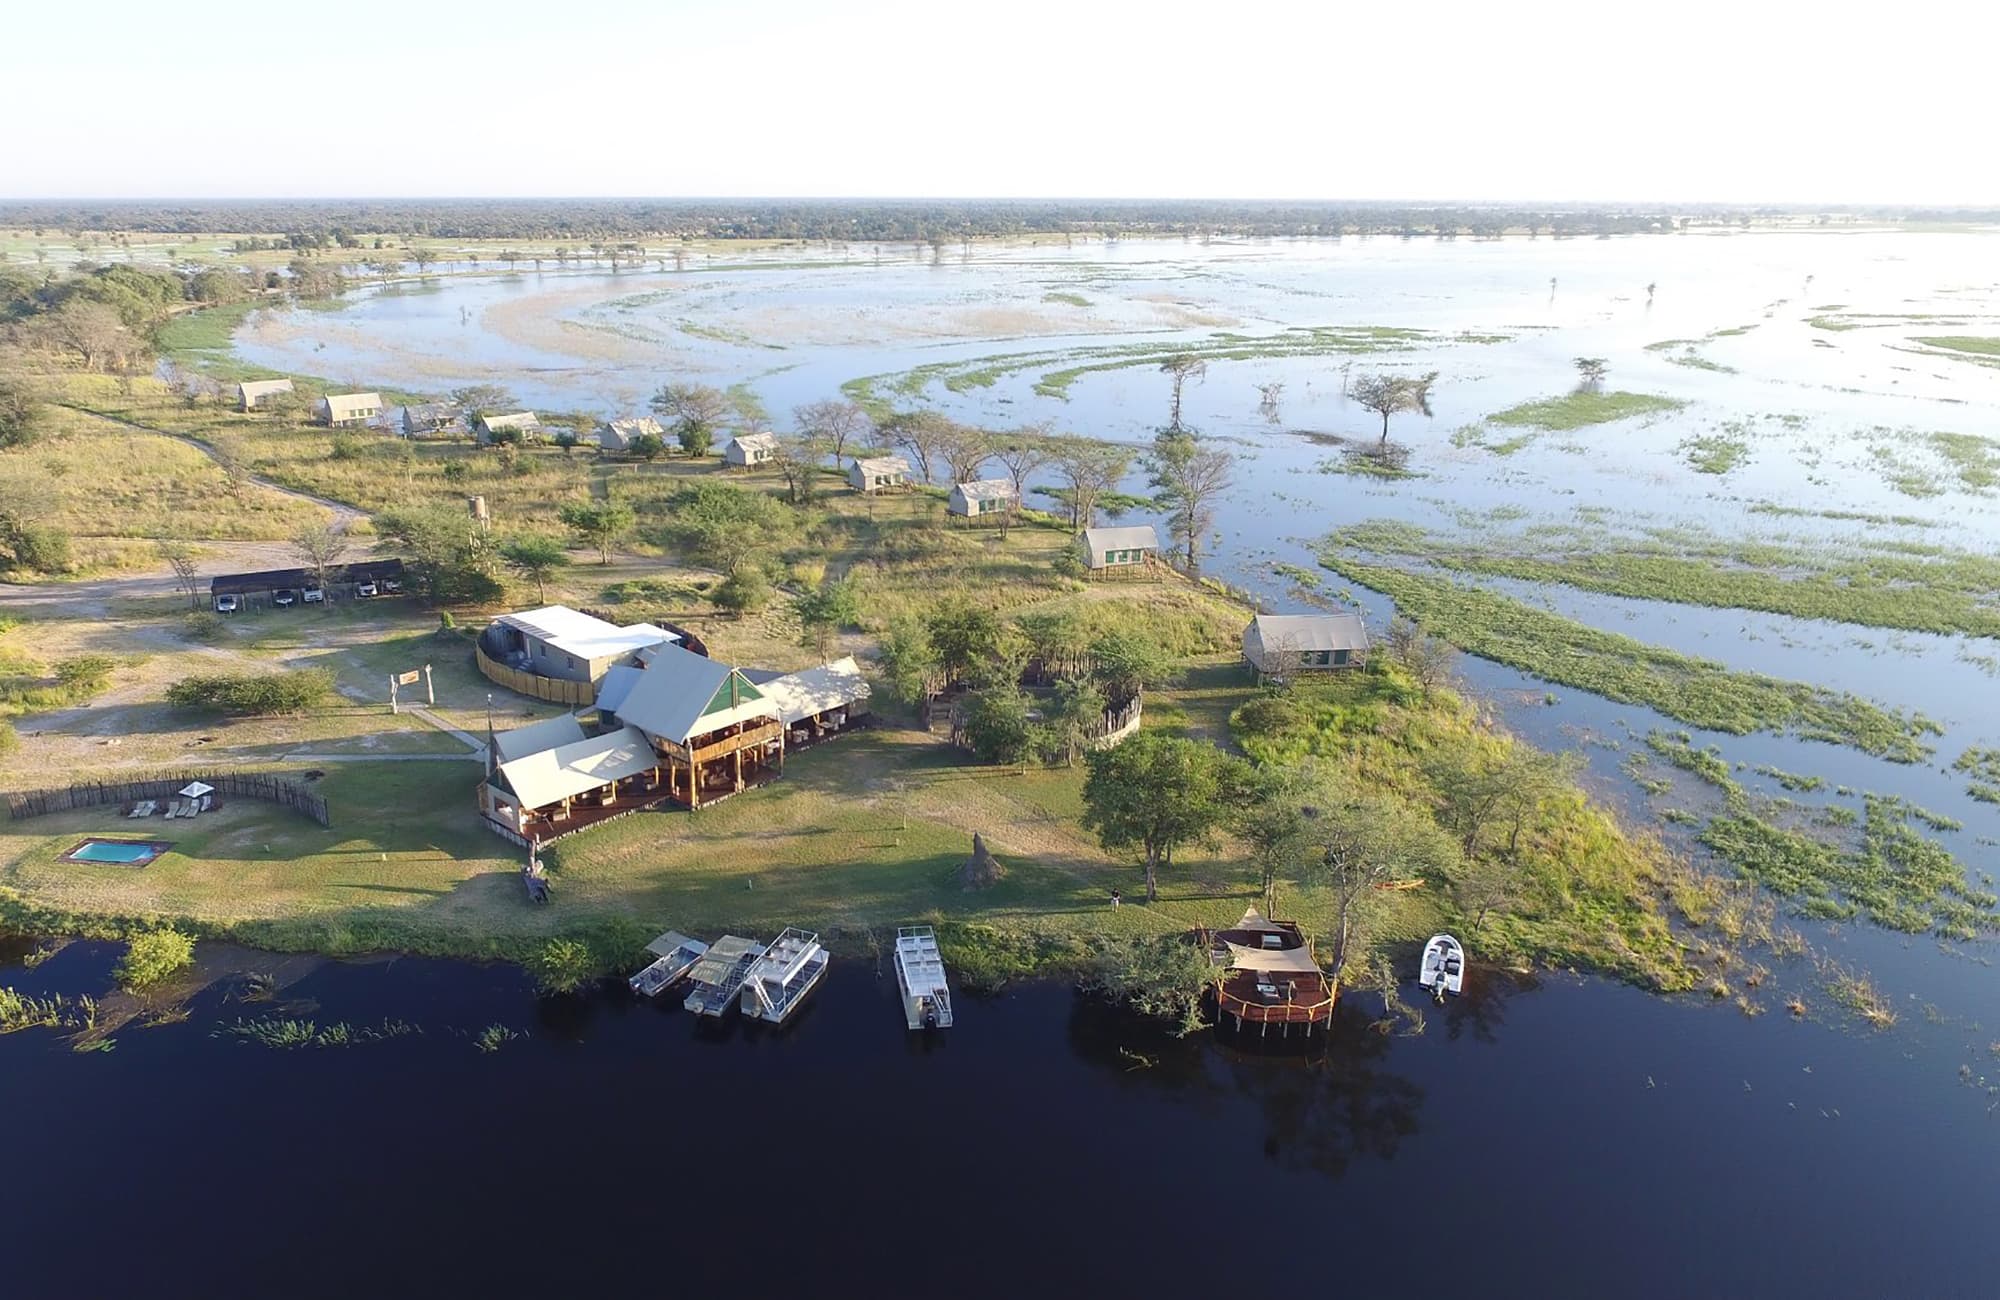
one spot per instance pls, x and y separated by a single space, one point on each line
1705 103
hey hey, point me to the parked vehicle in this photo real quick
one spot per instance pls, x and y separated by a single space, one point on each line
364 590
284 599
1443 969
315 596
392 586
227 604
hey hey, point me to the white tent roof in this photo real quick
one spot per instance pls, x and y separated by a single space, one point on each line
1303 632
756 441
987 489
511 420
584 635
1138 537
343 404
1297 961
618 682
196 789
875 466
551 775
671 697
800 695
264 387
549 733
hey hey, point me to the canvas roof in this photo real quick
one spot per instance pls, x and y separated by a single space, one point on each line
585 635
800 695
1296 961
512 420
672 696
431 411
875 465
987 489
756 441
1137 537
264 387
618 682
638 425
551 775
549 733
1303 632
669 943
344 404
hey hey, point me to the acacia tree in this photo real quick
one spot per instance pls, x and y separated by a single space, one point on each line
693 411
1089 470
1158 794
483 399
318 548
1021 453
1387 394
1180 368
826 609
536 557
1427 658
1359 841
964 449
597 523
1591 372
1189 476
923 434
797 462
835 424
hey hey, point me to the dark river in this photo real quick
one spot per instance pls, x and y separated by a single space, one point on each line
1569 1137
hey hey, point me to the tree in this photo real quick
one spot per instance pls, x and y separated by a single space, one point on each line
924 435
834 424
22 416
1127 660
723 527
1021 453
1591 372
597 523
826 609
484 399
1189 475
997 725
1428 659
910 660
1070 720
179 555
797 462
567 440
1496 784
1089 470
447 555
423 257
91 332
648 447
1180 368
536 557
1158 793
1057 641
1358 841
693 411
967 638
318 548
745 591
1386 394
1268 398
964 450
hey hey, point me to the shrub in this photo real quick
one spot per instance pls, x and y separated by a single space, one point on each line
152 956
254 695
85 673
1069 562
1269 715
563 966
347 446
997 726
743 592
10 739
203 625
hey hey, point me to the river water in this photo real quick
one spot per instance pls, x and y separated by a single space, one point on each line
1562 1138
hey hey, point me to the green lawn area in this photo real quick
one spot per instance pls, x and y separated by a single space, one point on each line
1580 409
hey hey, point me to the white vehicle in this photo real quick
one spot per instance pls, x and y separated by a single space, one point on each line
1443 970
392 585
920 976
315 596
675 954
227 604
284 599
364 590
779 980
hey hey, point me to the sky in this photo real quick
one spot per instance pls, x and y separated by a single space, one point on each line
1690 100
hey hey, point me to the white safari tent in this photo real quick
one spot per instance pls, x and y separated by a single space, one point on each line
748 449
1120 548
987 496
1278 645
341 409
254 393
877 473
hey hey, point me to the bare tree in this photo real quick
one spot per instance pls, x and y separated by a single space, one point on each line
1386 394
797 462
1089 470
1425 657
1180 368
1022 452
694 411
89 331
319 547
835 423
965 450
922 434
1189 475
179 555
1268 397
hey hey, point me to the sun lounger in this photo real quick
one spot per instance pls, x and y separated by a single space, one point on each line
207 802
144 808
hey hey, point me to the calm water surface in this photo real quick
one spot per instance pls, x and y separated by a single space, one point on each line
1565 1137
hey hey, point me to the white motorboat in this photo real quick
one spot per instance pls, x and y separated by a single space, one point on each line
1443 969
779 980
920 976
674 953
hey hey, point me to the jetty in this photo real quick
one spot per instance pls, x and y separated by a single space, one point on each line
674 953
715 979
1271 976
779 980
920 975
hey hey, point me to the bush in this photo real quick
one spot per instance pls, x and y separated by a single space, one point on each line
10 739
33 547
743 592
1164 977
254 695
203 625
1269 715
85 673
455 471
21 415
563 966
997 726
347 446
1069 562
152 956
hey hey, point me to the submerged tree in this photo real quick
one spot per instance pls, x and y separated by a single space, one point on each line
1591 372
1189 476
1387 394
1180 368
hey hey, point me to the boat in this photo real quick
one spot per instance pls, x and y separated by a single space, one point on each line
779 980
920 975
1443 969
715 978
674 953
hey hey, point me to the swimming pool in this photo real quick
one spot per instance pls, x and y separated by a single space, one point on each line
117 853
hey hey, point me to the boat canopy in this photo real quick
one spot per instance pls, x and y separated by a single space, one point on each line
1297 961
668 944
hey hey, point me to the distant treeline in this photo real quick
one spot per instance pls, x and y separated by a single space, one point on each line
314 223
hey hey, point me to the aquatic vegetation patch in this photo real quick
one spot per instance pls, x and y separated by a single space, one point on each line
1975 459
285 1034
1696 691
1581 409
1976 345
1715 453
1791 780
494 1037
1695 361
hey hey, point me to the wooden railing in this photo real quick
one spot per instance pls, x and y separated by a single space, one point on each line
230 785
555 690
749 738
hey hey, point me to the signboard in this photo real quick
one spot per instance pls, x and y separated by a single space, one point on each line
410 678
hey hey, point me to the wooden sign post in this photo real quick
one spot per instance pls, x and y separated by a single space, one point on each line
410 678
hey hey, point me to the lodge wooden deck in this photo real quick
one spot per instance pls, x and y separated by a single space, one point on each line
1247 995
